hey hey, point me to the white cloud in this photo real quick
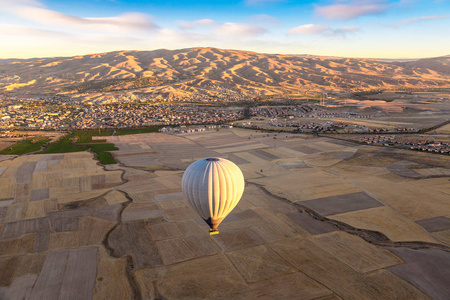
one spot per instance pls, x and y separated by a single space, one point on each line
309 29
170 36
127 21
5 4
265 21
197 23
238 30
351 10
344 30
419 19
23 31
32 11
315 29
231 29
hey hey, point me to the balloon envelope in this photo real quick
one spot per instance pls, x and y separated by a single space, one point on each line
213 187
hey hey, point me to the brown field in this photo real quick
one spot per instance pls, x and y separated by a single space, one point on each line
319 219
5 143
444 130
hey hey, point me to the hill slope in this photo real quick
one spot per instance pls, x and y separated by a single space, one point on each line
192 71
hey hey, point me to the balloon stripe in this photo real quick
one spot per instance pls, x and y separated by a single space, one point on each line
202 186
239 185
187 191
195 182
217 190
210 189
231 195
224 187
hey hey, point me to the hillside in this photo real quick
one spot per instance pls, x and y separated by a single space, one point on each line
187 72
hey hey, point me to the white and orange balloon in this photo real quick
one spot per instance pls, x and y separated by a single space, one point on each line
213 187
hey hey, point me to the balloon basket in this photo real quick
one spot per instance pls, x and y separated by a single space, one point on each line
213 231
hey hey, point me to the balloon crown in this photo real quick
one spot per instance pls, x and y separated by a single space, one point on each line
213 159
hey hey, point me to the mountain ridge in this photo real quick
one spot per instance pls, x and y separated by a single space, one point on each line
207 70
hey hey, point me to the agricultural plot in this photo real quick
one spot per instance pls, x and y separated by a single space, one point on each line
301 229
6 144
26 146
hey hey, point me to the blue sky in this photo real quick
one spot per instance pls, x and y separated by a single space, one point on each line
349 28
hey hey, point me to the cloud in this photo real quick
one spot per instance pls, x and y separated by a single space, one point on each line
265 21
315 29
21 31
32 11
351 10
169 36
344 30
197 23
406 3
127 21
419 19
238 30
261 2
308 29
4 4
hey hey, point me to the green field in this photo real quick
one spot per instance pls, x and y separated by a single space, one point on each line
64 145
78 141
124 131
85 136
26 146
82 140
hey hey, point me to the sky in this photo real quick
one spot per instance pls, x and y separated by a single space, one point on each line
346 28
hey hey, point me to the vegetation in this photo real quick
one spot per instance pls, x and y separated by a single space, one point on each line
124 131
85 136
64 145
82 140
105 157
26 146
362 95
425 130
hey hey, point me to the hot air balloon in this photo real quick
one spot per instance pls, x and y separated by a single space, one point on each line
213 187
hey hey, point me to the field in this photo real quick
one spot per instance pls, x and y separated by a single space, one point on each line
26 146
75 142
7 143
319 218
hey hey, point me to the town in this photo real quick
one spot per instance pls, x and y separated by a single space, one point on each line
57 114
413 143
39 115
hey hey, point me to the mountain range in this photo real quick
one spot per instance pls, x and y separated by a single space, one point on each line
208 71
